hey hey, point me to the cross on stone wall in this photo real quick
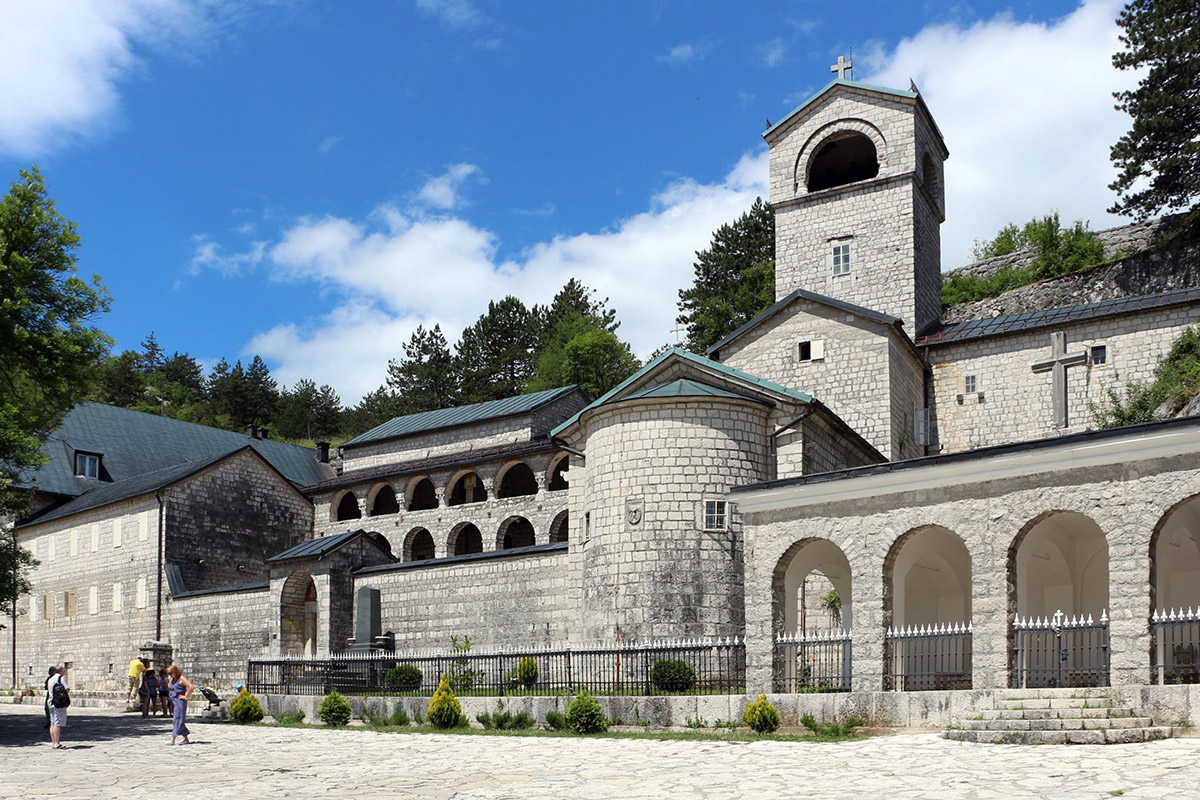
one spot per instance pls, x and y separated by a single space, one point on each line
1057 364
841 67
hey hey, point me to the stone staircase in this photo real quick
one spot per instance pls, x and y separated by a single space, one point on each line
1059 716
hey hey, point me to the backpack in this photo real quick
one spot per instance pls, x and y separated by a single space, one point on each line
59 696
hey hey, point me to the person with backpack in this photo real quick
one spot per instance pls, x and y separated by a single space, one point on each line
58 697
53 671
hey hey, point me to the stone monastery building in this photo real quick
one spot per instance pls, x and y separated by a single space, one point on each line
849 464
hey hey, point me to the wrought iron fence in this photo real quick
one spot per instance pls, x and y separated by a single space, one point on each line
669 667
815 662
1060 651
1176 650
922 658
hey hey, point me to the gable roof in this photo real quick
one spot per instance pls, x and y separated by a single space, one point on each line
615 393
804 294
134 443
105 494
685 387
460 415
322 546
1033 320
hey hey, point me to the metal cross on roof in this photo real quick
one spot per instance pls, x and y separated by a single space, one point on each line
1057 363
842 67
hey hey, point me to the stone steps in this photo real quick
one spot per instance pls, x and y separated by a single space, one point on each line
1059 717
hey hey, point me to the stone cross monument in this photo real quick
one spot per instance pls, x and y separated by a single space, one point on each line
1057 364
842 67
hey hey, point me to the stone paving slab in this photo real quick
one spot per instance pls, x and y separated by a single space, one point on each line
114 755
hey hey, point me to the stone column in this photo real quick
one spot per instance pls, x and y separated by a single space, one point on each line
991 617
158 654
1129 597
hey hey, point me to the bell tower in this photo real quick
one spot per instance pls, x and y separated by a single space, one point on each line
856 184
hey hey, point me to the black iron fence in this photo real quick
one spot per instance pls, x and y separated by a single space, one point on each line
814 662
924 658
1176 650
674 667
1060 651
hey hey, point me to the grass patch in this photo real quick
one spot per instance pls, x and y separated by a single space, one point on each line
833 731
292 720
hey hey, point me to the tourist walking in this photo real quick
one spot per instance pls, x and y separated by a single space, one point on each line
58 715
46 701
180 690
136 668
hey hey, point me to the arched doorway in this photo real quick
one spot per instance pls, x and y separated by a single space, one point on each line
1175 595
468 488
515 532
1058 602
385 502
347 508
418 545
298 615
560 528
421 495
465 539
927 611
517 481
813 611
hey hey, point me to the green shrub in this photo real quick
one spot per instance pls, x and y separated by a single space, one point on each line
584 715
835 730
671 675
461 673
404 678
527 672
503 720
761 716
294 718
246 708
555 721
444 709
334 710
398 719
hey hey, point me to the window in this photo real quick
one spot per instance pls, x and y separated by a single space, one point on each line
94 600
74 543
87 465
118 599
69 609
970 385
810 351
47 606
141 593
841 259
1099 355
715 517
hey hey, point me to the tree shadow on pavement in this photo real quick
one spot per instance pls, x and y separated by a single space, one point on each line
29 730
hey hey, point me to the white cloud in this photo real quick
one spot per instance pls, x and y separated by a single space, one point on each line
442 192
773 52
453 13
328 143
1027 113
679 55
61 61
395 271
209 255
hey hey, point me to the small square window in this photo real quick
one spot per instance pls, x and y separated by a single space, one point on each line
841 259
804 351
715 516
87 465
970 385
1099 355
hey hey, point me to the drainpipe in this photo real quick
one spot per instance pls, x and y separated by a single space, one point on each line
16 577
159 592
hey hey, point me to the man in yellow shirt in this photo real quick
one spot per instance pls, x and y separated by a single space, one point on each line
136 668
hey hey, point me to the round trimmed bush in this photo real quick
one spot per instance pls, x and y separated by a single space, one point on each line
672 675
245 708
404 678
444 709
584 715
761 716
527 672
334 710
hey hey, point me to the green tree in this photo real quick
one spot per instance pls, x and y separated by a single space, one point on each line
494 357
152 354
122 382
374 409
295 416
184 372
734 278
227 392
1159 157
49 348
262 393
327 413
597 360
572 314
425 378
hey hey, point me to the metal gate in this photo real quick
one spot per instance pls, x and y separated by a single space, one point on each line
1060 651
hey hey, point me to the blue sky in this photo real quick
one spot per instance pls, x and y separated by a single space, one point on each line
310 180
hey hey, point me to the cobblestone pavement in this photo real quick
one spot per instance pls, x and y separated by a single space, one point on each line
119 755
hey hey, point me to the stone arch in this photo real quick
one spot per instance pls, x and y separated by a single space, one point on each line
515 532
516 480
560 528
1175 587
1058 562
383 501
927 579
466 487
556 480
793 605
298 615
346 508
420 495
820 159
418 545
464 539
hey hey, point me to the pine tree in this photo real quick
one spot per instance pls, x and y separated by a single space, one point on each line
152 354
575 318
735 278
425 378
1159 158
262 393
494 357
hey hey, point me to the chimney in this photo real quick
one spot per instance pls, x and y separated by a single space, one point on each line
253 430
323 452
264 433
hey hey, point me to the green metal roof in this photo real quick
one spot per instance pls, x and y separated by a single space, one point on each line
684 387
133 443
324 545
460 415
838 82
614 394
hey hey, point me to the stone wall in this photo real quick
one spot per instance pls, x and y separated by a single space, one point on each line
1013 403
214 633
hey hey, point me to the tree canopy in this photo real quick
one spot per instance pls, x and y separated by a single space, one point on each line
1159 157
